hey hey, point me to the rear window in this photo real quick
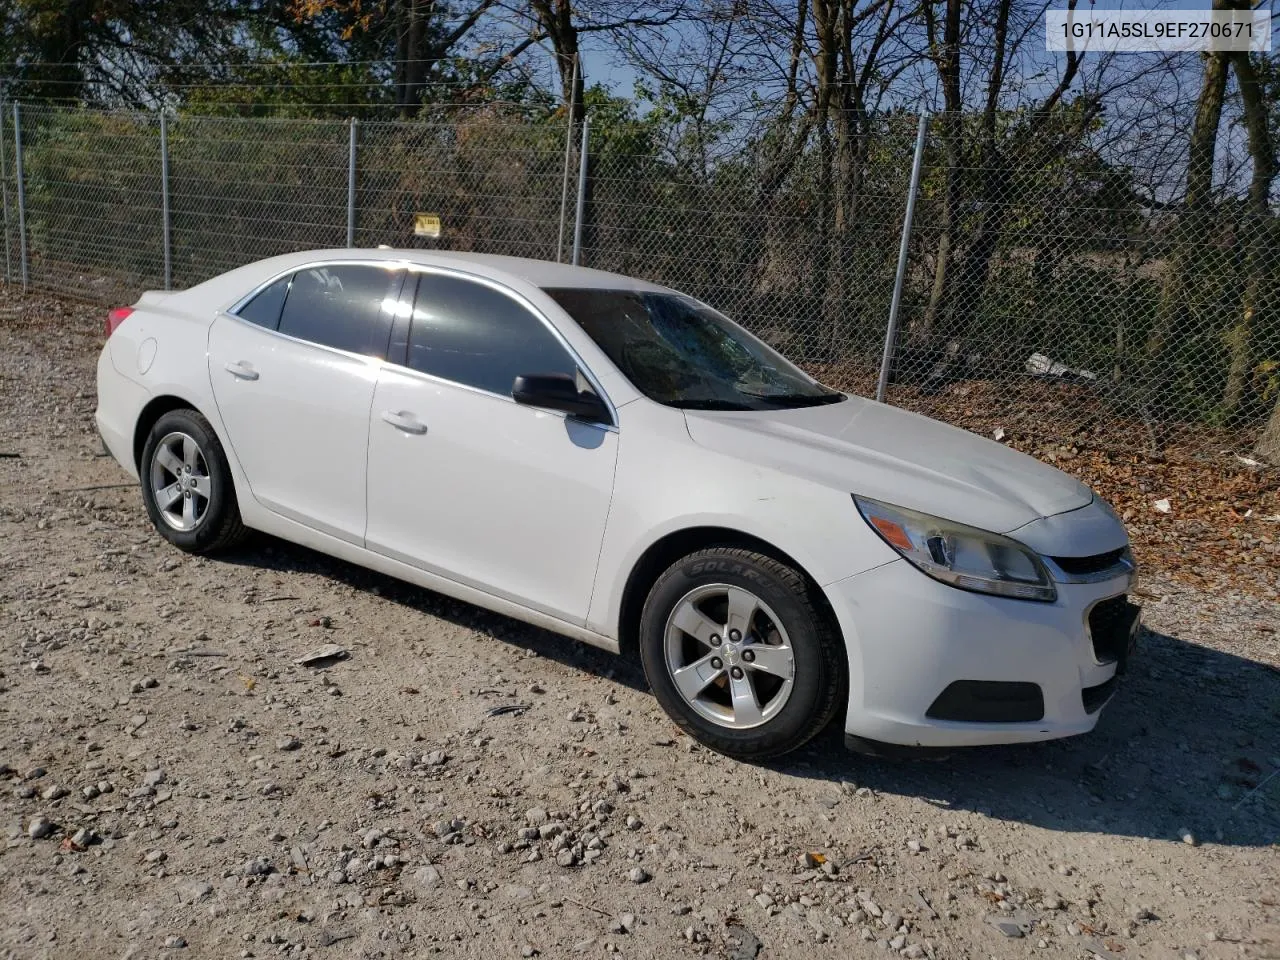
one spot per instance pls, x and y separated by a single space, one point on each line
264 309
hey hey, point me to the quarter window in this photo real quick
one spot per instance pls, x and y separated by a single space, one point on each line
474 335
264 309
347 307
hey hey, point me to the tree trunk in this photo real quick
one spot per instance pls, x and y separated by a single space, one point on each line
1257 224
411 66
953 150
1171 315
1268 445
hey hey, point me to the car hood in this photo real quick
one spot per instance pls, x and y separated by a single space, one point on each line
896 456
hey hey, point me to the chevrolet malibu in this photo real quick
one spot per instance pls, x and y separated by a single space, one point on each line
620 463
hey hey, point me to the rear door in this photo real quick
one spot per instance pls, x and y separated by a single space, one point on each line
465 482
293 374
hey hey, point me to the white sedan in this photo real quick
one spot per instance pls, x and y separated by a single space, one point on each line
618 462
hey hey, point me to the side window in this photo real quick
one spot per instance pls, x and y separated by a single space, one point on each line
264 309
471 334
348 307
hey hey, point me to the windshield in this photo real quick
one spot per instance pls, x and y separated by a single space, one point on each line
682 353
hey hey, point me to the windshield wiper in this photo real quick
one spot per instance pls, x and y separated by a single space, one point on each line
709 404
791 400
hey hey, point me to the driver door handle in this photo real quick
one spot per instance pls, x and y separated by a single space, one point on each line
241 370
403 420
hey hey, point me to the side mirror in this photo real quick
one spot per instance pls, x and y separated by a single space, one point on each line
559 391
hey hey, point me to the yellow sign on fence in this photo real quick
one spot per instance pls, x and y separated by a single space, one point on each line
426 225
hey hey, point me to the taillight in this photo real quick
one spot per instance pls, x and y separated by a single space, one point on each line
117 317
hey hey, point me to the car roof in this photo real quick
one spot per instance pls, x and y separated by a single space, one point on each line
540 273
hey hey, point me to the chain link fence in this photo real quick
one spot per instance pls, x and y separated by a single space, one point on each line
1040 296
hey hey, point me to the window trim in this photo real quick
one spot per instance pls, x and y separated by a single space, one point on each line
393 266
411 269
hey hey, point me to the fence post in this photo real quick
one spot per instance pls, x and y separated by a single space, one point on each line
22 194
351 184
568 152
4 190
891 333
164 201
582 192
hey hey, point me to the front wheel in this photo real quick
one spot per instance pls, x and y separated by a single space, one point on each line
186 484
740 653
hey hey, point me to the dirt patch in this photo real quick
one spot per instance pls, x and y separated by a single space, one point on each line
176 783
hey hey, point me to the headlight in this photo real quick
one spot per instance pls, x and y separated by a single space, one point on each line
962 556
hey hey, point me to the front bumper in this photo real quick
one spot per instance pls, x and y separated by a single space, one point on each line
910 639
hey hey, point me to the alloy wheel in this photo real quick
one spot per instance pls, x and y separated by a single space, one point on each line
180 482
729 656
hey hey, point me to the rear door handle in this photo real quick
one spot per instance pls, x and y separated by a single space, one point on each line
404 421
241 370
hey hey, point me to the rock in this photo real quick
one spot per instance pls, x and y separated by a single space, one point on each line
871 908
39 828
627 922
764 900
427 877
898 942
83 838
90 792
528 950
1143 913
915 846
535 816
913 952
371 838
1188 837
634 823
566 858
155 856
288 743
1052 903
891 920
153 778
174 943
54 793
1009 929
194 891
325 656
257 867
639 875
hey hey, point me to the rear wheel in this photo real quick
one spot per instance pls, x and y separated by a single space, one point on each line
186 484
740 654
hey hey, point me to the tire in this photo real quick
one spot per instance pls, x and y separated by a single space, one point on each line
753 692
186 484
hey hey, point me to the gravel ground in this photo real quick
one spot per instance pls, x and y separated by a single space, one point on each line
174 783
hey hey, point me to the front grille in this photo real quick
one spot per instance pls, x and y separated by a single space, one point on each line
1110 625
1083 566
